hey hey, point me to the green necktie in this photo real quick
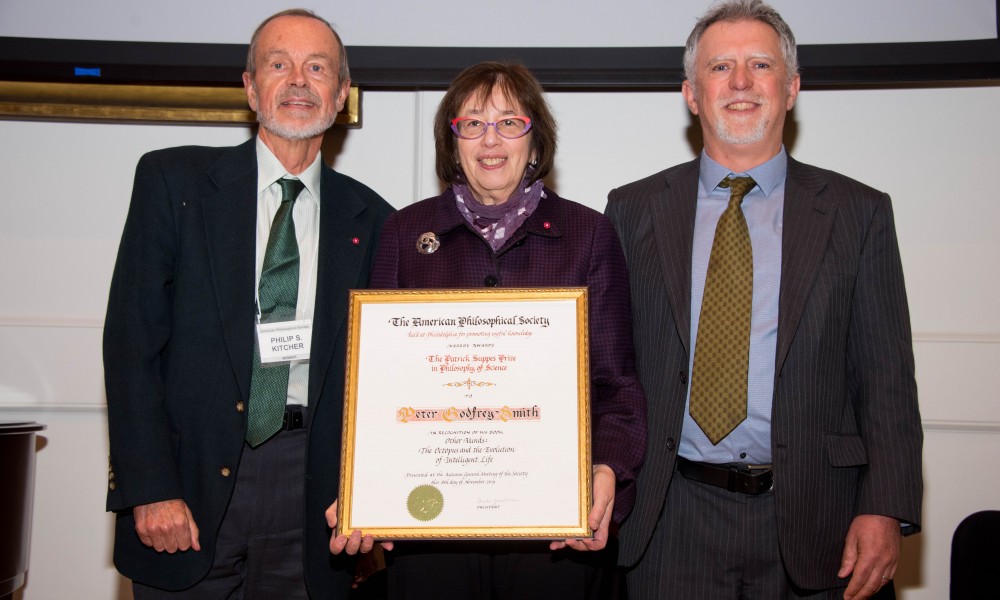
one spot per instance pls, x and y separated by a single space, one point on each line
277 296
722 354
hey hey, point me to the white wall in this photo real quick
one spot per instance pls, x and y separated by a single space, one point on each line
66 187
427 23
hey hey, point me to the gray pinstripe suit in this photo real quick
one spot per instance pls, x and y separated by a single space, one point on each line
846 434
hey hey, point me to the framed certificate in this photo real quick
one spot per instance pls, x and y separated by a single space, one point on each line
467 415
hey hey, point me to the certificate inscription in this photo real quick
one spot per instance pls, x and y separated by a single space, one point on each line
475 409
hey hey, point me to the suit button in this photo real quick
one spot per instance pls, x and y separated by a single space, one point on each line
684 378
490 281
239 406
225 472
671 444
111 485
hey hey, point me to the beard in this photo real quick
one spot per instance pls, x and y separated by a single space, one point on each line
302 130
725 131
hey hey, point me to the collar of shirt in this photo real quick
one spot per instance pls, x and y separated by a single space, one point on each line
768 175
270 170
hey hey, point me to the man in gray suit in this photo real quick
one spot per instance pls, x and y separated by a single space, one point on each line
788 463
224 459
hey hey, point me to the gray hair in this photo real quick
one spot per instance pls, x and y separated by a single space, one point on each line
743 10
344 72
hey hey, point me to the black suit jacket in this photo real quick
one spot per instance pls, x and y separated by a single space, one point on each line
178 347
846 434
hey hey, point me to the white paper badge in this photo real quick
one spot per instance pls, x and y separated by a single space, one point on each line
284 341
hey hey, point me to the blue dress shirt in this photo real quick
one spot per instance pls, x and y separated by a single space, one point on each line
763 208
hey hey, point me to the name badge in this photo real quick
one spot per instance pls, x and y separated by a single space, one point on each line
284 341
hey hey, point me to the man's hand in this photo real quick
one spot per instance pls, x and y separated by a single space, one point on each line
599 518
353 544
166 526
871 555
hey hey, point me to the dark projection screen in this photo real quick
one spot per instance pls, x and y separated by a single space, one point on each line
584 44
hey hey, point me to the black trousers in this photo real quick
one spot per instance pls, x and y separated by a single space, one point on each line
259 547
500 570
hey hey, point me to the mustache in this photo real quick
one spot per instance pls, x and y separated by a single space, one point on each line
754 99
301 94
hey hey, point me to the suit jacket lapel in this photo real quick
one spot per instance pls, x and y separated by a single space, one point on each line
672 216
231 230
808 221
346 234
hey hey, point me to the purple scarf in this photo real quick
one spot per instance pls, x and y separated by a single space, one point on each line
498 222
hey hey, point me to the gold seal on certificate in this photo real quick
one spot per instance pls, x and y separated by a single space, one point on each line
425 503
467 414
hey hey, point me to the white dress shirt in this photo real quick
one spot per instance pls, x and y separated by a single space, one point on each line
305 214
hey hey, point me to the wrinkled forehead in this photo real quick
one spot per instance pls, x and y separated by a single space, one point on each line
745 37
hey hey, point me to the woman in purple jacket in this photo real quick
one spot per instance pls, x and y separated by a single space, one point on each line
497 225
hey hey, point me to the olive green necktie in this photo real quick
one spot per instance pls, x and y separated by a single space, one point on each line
277 296
722 353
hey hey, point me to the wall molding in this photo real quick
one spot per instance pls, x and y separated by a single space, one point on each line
957 337
84 408
14 321
953 426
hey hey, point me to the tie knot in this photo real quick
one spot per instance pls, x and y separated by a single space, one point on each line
738 186
290 189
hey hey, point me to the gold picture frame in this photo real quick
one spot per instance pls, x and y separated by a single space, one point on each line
467 415
141 103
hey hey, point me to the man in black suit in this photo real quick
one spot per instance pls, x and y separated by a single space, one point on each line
207 507
805 490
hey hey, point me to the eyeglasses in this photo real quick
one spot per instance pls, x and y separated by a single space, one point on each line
469 128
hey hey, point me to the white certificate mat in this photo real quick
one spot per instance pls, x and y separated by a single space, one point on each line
467 414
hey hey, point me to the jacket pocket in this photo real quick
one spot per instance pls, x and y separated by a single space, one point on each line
846 450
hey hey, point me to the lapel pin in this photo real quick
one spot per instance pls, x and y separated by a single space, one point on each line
427 243
355 241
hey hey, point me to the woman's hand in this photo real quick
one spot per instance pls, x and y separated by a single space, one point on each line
353 544
599 518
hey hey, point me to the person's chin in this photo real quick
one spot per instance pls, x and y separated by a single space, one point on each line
301 131
741 133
